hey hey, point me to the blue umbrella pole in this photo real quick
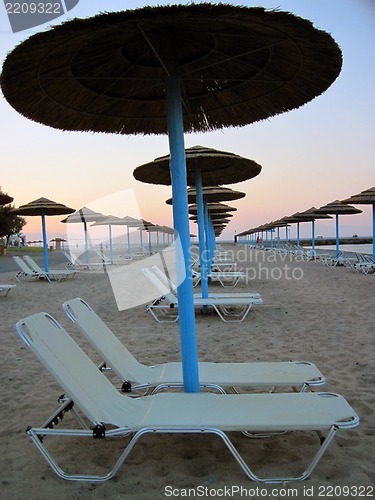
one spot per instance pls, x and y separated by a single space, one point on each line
110 243
313 239
337 237
188 342
141 239
45 244
86 243
128 233
373 231
203 257
298 237
149 243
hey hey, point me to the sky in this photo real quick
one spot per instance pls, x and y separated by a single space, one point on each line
310 156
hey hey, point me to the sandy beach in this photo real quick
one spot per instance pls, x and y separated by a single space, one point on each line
311 312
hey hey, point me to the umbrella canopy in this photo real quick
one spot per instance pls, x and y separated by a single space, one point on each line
83 216
216 167
43 207
5 199
366 197
108 221
237 65
171 69
338 208
310 215
212 194
213 208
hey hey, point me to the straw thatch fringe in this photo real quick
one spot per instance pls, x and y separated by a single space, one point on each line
237 65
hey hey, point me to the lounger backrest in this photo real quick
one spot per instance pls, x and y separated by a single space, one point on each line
163 289
112 351
164 278
22 265
33 265
75 372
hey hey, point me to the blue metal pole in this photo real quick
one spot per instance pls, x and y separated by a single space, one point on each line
141 239
201 232
45 243
110 243
129 251
373 231
278 238
149 242
298 238
286 237
337 237
313 238
188 342
86 243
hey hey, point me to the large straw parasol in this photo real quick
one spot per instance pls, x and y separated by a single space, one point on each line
338 208
5 199
83 216
43 207
212 194
109 221
170 69
366 197
214 166
310 215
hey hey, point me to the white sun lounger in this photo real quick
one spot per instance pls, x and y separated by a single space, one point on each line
231 295
174 413
298 375
230 309
225 278
5 289
25 271
52 274
75 263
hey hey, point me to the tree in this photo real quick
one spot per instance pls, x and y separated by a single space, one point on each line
10 223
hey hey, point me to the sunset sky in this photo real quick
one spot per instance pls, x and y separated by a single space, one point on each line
310 156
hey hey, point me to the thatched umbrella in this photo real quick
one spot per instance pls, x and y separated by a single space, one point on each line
338 208
43 207
311 215
108 221
212 194
170 69
129 222
83 216
5 199
366 197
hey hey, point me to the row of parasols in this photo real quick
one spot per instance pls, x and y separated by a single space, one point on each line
336 208
211 215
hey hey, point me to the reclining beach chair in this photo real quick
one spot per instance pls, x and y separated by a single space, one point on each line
115 260
225 278
76 263
298 375
5 289
366 264
164 278
229 308
186 413
52 274
25 271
